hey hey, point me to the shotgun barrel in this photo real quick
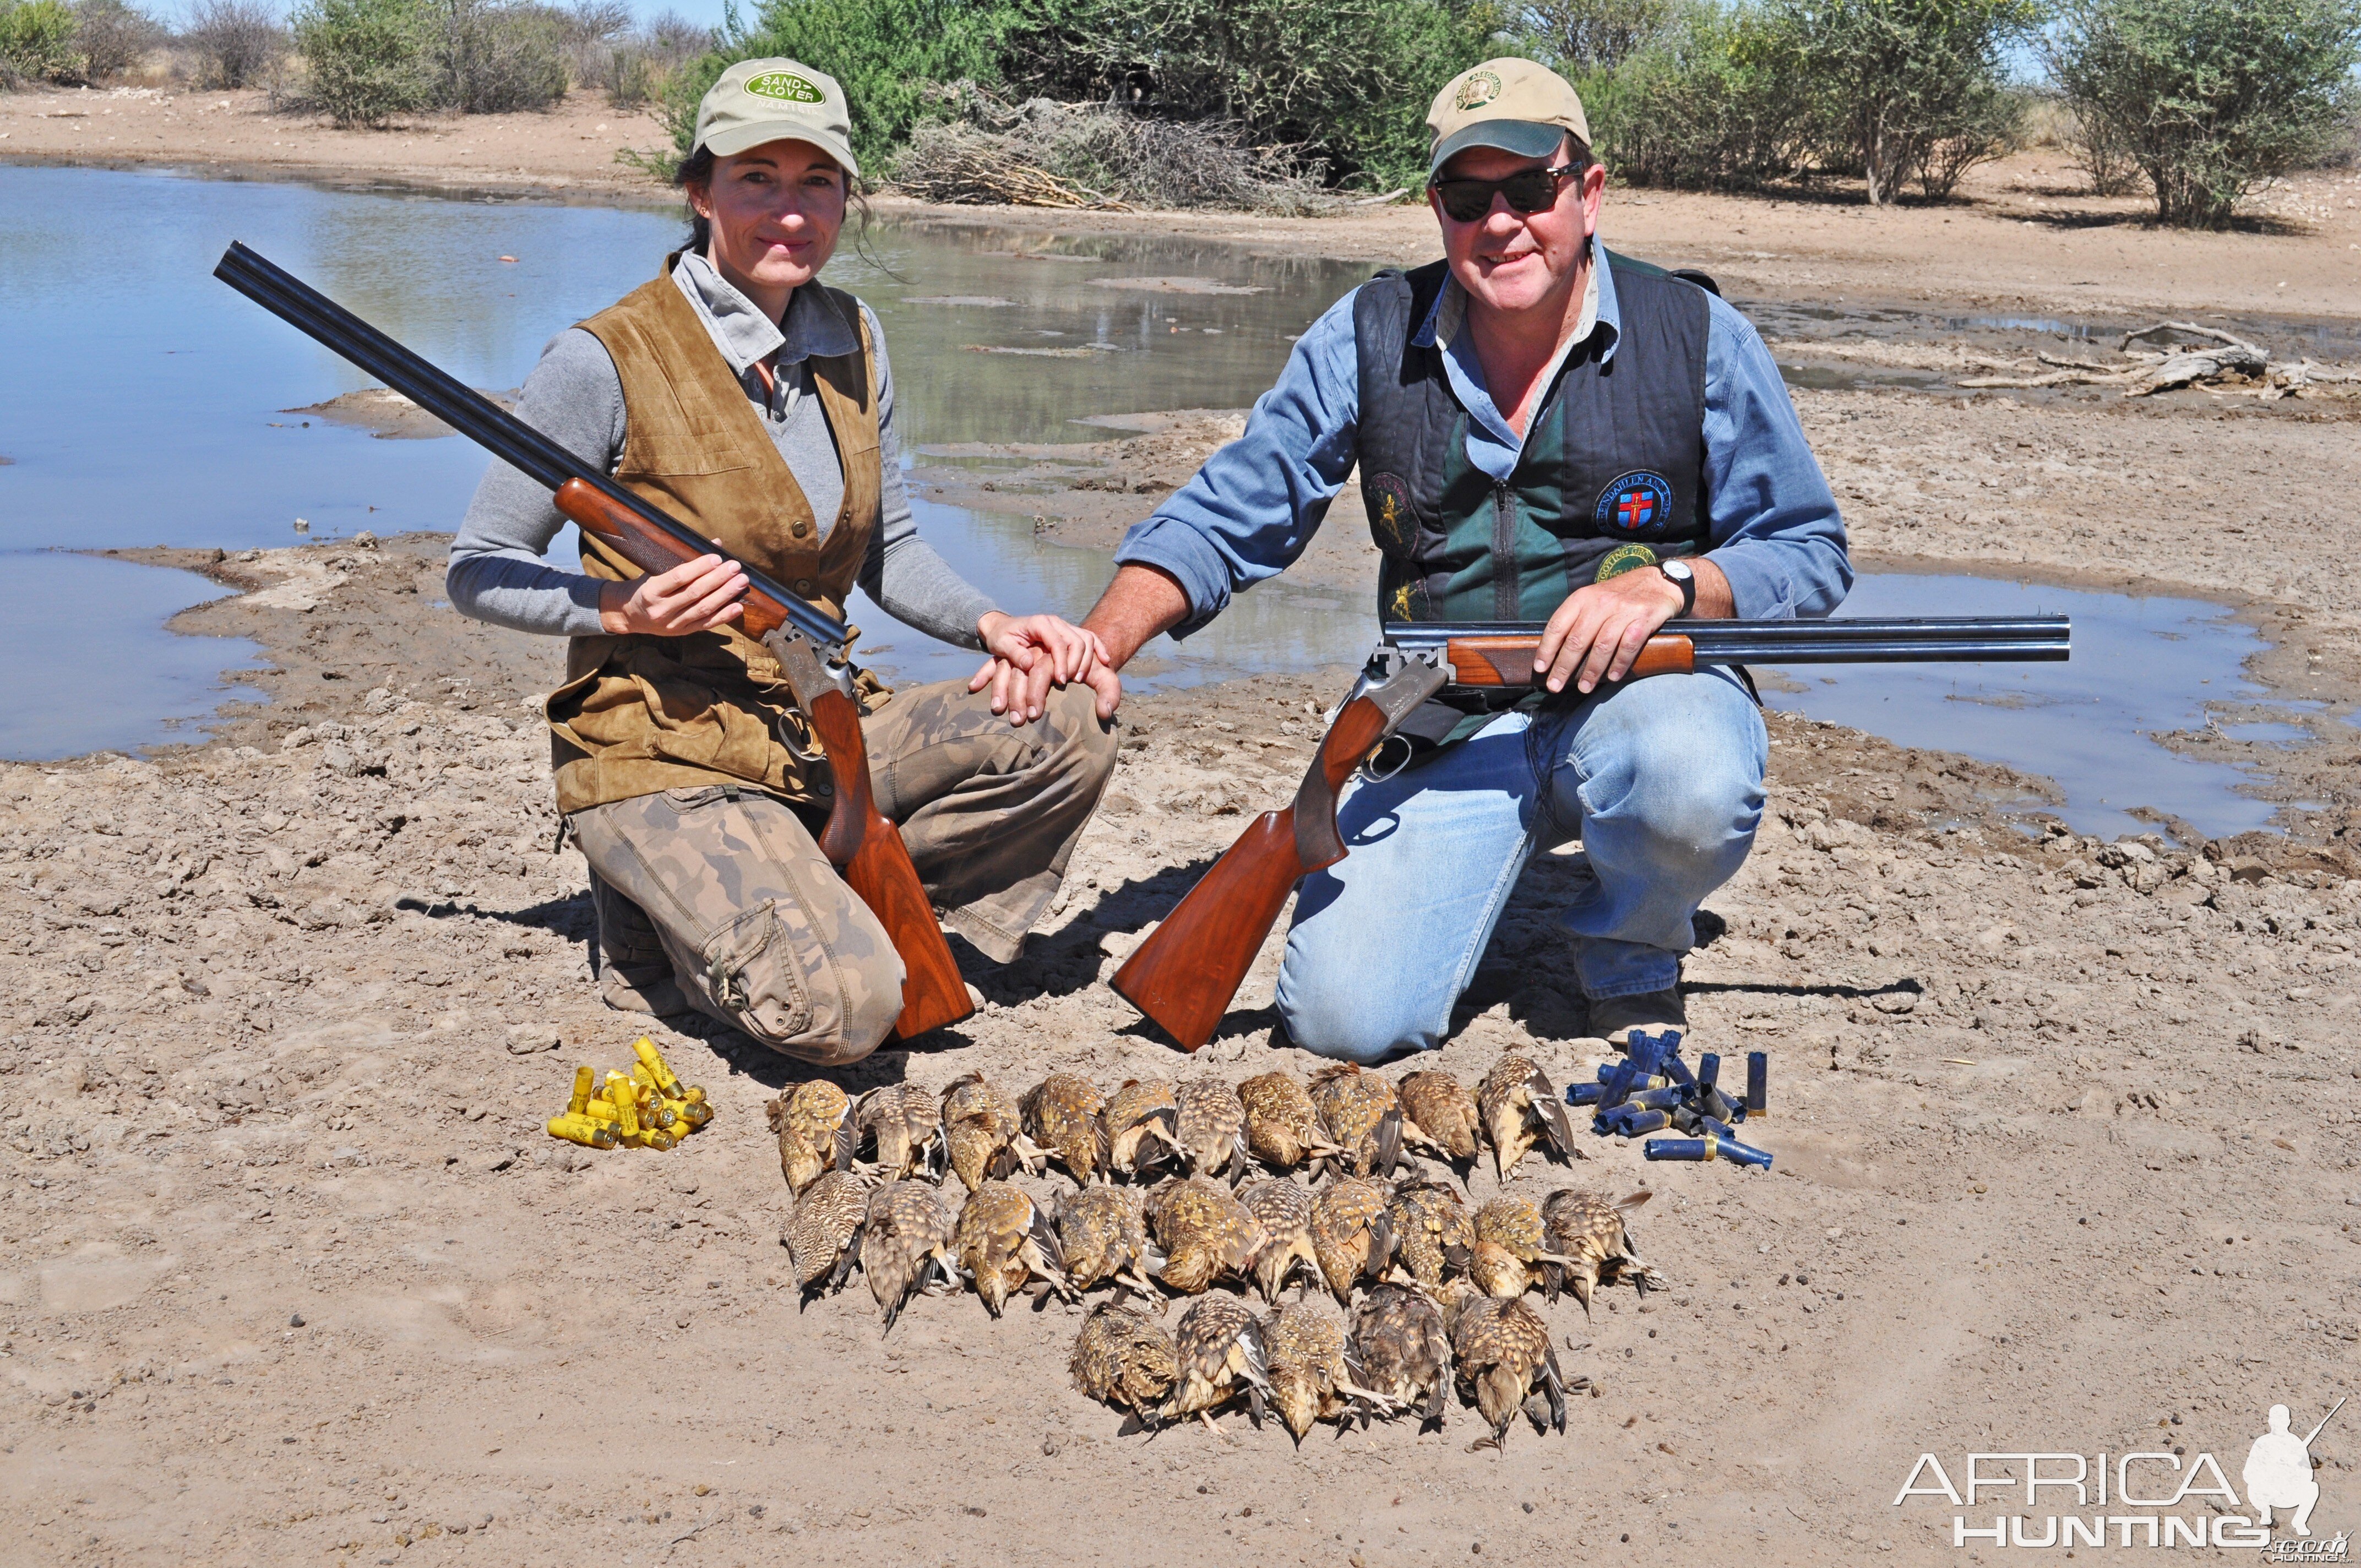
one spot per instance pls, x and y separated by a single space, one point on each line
480 420
1495 653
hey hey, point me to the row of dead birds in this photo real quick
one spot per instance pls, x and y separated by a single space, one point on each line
1445 1300
1346 1120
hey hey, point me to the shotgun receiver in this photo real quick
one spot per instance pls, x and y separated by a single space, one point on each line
860 840
1186 971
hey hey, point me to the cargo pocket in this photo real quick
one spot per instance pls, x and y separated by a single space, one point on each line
751 973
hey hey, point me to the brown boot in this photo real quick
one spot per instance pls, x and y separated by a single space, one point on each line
1613 1018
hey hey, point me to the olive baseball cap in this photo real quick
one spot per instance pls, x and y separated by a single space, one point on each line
1510 104
775 100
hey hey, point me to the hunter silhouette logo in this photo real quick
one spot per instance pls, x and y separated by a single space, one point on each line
2279 1471
2151 1497
786 86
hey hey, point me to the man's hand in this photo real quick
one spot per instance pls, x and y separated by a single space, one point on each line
1033 652
694 595
1600 630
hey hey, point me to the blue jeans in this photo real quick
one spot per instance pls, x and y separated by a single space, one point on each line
1662 780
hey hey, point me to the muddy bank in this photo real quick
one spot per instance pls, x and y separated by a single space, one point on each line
295 1273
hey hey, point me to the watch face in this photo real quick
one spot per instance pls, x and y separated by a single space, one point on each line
1677 570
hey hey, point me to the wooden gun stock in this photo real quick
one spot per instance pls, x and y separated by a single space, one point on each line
1509 661
1186 972
860 840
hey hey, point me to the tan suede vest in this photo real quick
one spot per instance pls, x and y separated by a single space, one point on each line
642 714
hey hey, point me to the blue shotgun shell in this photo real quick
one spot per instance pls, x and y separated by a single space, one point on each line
1708 1070
1758 1083
1630 1122
1584 1093
1608 1070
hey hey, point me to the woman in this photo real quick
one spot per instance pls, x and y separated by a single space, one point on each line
756 405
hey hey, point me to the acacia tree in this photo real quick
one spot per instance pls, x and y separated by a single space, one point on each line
1909 87
2210 98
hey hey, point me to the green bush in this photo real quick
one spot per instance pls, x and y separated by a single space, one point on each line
886 53
37 42
367 58
236 41
112 36
495 56
1345 83
2211 98
1580 36
1711 101
1907 87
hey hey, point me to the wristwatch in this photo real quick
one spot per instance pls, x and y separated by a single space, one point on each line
1678 574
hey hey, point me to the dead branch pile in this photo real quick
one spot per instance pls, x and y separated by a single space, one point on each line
1042 153
2221 363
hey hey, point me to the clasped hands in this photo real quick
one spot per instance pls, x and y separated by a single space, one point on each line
1028 654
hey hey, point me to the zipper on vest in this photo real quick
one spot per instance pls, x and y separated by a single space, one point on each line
1505 576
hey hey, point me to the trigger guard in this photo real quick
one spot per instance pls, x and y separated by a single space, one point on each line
1373 769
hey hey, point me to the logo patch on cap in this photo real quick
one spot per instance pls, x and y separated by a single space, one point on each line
786 86
1480 88
1637 505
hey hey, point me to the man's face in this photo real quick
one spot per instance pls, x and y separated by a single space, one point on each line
1515 262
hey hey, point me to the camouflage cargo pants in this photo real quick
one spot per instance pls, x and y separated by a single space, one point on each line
718 898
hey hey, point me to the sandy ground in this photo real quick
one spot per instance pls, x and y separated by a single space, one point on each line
2064 1130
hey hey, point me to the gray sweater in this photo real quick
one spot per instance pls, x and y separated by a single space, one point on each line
498 571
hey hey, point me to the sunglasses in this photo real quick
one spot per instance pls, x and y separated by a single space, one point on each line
1528 191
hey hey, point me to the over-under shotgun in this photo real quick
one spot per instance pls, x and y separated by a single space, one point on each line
860 840
1191 966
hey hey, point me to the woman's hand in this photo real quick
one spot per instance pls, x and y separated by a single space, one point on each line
1033 652
694 595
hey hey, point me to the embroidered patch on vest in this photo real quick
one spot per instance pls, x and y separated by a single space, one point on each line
1391 522
1623 558
1637 505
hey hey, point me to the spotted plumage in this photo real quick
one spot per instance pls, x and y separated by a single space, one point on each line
1282 1125
1210 1125
1404 1347
1439 1118
981 1130
1352 1235
1520 1108
1501 1352
1104 1237
1205 1232
906 1240
1591 1238
903 1124
814 1124
1283 1209
1061 1114
1432 1231
1124 1358
1314 1374
1141 1124
1003 1239
1219 1348
1358 1112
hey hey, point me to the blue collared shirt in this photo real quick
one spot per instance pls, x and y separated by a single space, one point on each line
1251 510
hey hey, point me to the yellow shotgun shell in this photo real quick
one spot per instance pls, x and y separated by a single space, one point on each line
585 1083
695 1113
653 1059
651 1138
583 1130
626 1103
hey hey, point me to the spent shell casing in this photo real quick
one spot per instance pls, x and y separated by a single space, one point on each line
1628 1122
651 1138
653 1059
689 1113
585 1083
1708 1070
626 1102
1719 1106
579 1129
1584 1093
1728 1147
1608 1070
1758 1083
1675 1069
1690 1149
1661 1098
1643 1051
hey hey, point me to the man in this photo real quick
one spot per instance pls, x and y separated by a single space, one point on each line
1542 433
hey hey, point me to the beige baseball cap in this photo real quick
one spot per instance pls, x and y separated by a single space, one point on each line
775 100
1510 104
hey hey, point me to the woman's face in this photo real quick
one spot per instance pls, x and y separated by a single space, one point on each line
776 210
